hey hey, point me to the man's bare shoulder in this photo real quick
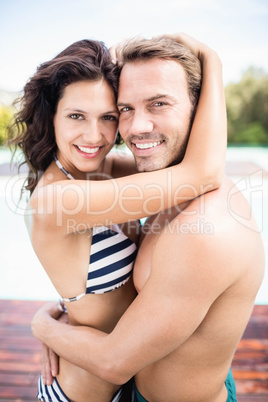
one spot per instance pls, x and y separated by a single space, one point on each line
224 209
219 227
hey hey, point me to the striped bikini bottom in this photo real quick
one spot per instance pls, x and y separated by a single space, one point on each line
54 393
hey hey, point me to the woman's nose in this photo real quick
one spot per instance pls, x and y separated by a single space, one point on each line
92 132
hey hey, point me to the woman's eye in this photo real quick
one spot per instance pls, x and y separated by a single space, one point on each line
110 118
76 116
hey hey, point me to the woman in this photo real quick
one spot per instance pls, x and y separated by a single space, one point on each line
69 122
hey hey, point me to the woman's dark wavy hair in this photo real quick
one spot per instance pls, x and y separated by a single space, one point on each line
83 60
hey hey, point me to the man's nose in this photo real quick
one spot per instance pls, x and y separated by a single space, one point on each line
141 123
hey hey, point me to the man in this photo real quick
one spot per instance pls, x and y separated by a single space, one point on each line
198 269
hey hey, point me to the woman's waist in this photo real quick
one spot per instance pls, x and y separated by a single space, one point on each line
78 384
101 311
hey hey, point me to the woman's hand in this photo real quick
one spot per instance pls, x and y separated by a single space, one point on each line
199 49
49 365
116 49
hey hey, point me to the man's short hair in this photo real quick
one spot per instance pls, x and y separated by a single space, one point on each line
140 49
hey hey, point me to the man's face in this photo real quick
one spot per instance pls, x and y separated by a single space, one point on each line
155 112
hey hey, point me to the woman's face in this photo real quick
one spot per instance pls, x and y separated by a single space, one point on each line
86 123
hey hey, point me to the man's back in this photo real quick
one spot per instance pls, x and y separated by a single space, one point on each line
207 268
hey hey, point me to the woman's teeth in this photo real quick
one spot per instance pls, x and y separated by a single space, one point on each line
148 145
88 150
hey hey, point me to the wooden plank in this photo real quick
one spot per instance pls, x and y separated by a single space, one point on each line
19 367
20 353
18 392
253 344
252 398
245 374
252 387
257 327
21 306
250 362
17 379
14 356
18 399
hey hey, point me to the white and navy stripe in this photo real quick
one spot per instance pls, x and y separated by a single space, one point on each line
112 257
51 393
63 169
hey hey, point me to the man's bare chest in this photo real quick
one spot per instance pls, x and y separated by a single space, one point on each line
152 230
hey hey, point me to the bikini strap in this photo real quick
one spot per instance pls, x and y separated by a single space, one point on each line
63 169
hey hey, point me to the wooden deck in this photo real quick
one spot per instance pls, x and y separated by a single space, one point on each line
20 354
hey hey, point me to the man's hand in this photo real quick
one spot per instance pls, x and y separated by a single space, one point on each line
50 360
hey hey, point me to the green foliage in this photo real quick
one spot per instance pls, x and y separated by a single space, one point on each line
247 109
6 115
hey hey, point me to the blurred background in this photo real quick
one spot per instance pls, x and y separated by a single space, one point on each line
32 32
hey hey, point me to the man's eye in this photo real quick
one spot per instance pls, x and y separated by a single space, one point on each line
76 116
159 104
125 109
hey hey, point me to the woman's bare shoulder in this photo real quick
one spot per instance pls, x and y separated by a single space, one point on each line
123 164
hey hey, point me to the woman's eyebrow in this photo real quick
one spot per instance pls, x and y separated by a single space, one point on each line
73 109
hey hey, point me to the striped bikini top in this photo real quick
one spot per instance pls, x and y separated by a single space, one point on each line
112 257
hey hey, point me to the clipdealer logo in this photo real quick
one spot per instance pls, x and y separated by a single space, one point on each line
252 187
